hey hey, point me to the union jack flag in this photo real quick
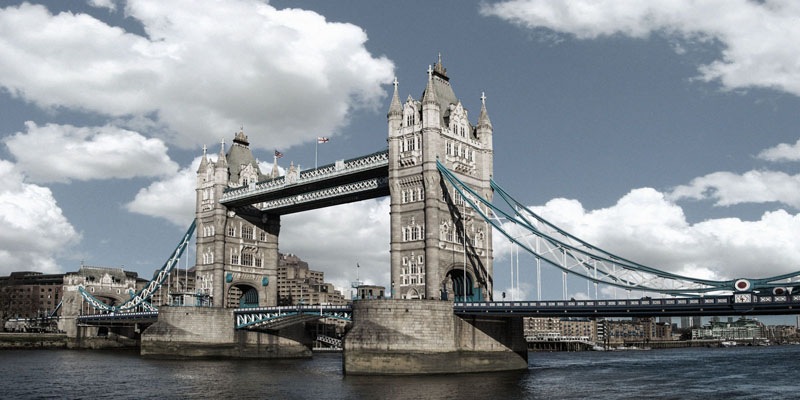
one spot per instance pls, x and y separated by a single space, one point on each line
278 154
322 139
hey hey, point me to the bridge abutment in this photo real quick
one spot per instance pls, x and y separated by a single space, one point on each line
209 332
402 337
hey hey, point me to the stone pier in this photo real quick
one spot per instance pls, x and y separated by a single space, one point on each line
210 332
401 337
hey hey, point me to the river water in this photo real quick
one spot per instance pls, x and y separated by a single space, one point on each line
725 373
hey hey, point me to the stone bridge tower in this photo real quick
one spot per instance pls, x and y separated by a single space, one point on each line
237 252
435 237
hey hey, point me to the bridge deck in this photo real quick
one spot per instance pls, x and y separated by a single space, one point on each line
121 318
703 306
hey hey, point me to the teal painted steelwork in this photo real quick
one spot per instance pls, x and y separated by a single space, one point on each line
55 310
457 276
249 299
521 220
265 281
159 277
228 277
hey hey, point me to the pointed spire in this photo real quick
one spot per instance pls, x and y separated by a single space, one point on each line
222 160
395 108
483 119
430 96
275 173
204 160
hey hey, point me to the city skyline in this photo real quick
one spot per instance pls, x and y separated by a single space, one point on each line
647 131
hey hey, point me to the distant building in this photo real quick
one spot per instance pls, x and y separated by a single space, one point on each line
556 328
297 284
579 327
28 294
697 322
686 322
743 329
625 330
177 290
537 326
663 331
781 333
111 286
370 292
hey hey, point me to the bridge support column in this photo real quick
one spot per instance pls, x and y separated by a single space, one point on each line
209 332
403 337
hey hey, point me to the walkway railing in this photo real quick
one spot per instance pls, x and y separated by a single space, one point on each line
340 168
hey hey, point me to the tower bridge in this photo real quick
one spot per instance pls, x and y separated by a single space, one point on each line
438 173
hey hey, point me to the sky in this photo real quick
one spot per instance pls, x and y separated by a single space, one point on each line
666 132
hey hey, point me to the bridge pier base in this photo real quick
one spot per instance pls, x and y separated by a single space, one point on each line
404 337
209 332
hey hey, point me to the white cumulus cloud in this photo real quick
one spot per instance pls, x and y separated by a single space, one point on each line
729 188
204 67
758 37
334 239
34 228
60 153
646 227
781 152
109 4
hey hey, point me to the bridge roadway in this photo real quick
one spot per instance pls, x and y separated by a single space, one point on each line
740 304
273 318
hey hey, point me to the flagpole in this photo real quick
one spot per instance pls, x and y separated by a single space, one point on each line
315 154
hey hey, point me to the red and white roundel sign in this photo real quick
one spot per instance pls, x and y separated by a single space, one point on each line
742 285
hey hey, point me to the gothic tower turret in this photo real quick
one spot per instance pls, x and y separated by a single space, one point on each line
237 254
439 247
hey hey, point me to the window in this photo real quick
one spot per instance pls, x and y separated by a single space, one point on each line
449 148
404 197
258 262
247 259
232 231
263 236
419 259
413 197
405 260
247 232
234 259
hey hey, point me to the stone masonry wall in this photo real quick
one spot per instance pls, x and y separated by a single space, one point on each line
210 332
396 337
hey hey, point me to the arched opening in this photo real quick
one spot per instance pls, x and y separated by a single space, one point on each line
412 294
457 286
242 296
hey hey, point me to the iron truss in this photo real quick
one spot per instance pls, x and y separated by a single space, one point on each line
325 172
326 194
572 255
139 301
279 317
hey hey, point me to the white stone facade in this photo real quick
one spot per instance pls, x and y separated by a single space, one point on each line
427 215
235 253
